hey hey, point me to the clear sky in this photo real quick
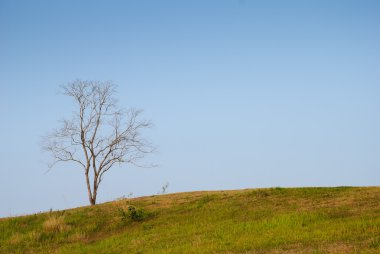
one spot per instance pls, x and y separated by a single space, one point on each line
243 94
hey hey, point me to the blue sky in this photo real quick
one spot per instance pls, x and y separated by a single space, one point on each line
243 94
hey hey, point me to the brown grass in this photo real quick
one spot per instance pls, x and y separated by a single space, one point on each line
55 224
15 239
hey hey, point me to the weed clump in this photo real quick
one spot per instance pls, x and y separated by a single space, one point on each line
133 214
136 214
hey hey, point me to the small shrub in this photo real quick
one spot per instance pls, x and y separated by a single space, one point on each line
133 213
136 214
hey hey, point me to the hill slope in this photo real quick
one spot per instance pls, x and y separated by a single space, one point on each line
277 220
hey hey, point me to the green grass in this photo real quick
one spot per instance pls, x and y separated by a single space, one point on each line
276 220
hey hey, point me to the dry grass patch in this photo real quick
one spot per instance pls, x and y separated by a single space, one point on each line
34 236
55 224
15 239
78 237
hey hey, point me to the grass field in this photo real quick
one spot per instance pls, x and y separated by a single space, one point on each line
276 220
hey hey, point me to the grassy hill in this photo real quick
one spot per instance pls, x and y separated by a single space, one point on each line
276 220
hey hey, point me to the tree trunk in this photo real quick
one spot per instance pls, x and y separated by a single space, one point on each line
94 194
93 201
91 197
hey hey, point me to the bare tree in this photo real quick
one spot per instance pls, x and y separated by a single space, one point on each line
99 135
